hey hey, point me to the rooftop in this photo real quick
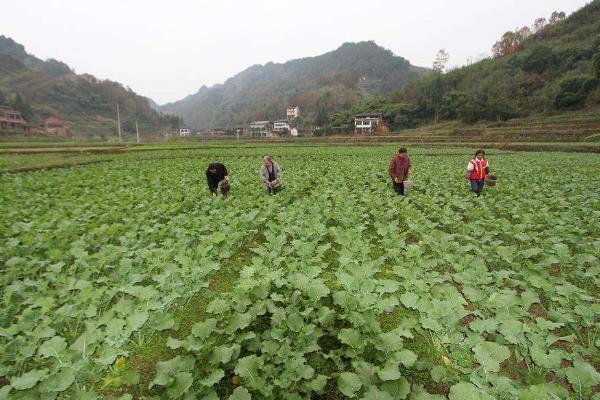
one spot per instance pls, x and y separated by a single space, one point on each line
366 115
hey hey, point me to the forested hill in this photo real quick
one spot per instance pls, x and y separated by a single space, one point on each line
319 85
548 68
40 89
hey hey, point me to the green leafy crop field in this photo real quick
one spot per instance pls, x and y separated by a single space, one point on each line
125 279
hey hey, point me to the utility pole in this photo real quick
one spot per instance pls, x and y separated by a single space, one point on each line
119 124
137 132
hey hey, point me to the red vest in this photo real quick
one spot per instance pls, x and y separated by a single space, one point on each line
478 172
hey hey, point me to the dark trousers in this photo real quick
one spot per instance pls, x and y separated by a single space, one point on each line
477 186
399 188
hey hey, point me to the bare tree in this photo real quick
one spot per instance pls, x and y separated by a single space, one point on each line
557 17
539 25
441 60
522 34
508 44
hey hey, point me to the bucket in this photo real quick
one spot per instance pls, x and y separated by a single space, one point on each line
490 180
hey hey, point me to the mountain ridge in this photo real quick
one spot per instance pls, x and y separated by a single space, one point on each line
331 81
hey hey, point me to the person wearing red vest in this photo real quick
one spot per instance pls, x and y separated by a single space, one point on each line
477 169
399 169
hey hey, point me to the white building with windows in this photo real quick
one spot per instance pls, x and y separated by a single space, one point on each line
184 132
281 126
261 128
293 112
369 123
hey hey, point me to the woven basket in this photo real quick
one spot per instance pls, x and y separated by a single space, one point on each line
409 184
490 180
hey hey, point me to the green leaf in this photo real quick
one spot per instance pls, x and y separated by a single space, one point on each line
317 384
399 389
162 322
213 378
390 372
107 355
247 367
490 354
203 330
390 342
409 300
582 375
183 381
406 357
484 325
373 393
238 321
240 393
352 338
173 343
137 320
166 371
59 381
537 392
53 347
295 322
222 354
467 391
548 325
512 330
28 379
349 383
218 306
418 393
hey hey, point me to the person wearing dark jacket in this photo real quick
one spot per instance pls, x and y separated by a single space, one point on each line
217 178
399 169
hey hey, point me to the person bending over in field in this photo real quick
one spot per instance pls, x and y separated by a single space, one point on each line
271 175
217 178
399 170
477 169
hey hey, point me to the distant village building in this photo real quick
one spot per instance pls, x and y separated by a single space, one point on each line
239 130
11 120
369 123
55 125
217 131
294 132
185 132
281 127
293 112
261 128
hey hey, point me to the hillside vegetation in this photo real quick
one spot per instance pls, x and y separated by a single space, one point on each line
40 89
550 70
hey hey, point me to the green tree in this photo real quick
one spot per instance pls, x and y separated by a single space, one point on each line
434 91
596 65
21 105
539 59
573 91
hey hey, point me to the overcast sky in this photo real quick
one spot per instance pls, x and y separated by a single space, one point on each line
168 49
